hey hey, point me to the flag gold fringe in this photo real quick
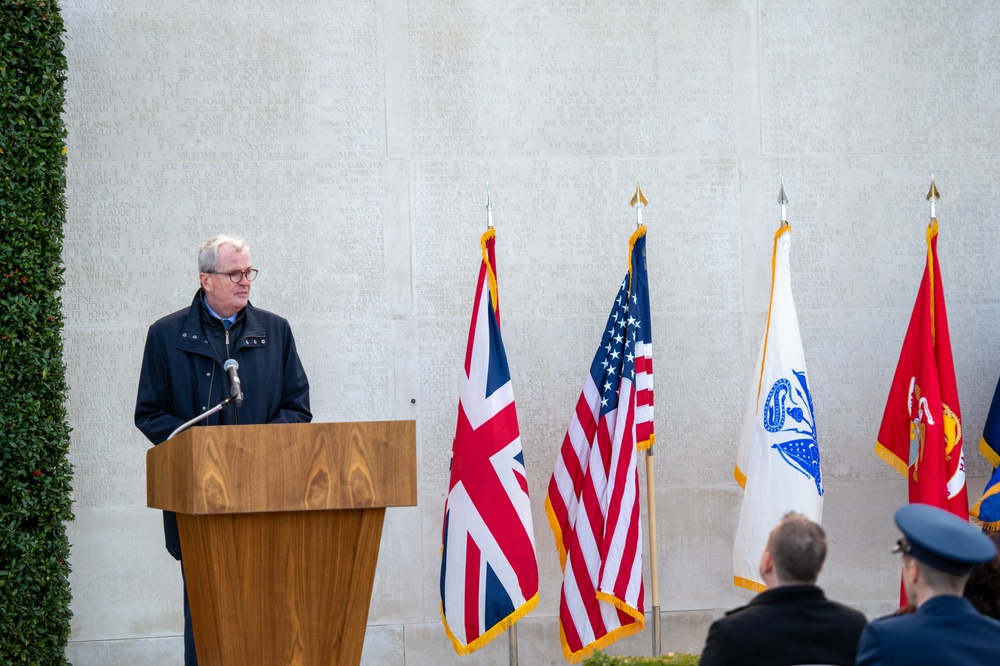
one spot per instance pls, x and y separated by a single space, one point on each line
988 525
891 459
601 643
740 477
620 605
636 235
992 457
783 229
495 630
487 236
753 585
556 532
932 231
633 239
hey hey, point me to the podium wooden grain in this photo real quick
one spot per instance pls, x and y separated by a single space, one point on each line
280 528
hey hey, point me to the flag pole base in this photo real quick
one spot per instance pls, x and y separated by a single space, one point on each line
656 631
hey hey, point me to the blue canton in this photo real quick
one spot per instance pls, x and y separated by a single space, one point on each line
615 358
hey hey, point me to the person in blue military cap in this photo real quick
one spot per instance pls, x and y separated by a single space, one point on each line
939 550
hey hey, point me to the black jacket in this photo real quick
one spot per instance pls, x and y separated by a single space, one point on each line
792 624
182 376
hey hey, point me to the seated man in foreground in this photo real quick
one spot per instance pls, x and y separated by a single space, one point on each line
792 622
939 550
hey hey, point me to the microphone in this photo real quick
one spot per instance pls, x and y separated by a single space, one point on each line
235 391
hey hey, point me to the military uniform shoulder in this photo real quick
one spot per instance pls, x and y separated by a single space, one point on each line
890 620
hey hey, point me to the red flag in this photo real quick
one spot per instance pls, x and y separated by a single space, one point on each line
921 431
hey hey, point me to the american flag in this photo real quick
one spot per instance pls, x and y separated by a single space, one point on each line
593 498
489 572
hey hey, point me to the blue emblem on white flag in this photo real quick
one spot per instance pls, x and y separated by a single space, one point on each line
789 411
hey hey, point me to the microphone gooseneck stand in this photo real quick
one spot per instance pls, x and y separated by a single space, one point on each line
203 415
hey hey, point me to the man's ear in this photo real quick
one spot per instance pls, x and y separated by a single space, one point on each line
766 563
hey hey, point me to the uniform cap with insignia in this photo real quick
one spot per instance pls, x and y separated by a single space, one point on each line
941 540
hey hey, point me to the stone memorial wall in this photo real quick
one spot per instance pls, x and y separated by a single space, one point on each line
351 142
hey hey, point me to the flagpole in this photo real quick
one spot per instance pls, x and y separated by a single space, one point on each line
638 201
512 631
489 206
653 577
933 195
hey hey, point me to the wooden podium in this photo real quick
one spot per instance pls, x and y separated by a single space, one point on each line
280 528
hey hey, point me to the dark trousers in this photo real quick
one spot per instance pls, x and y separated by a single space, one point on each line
190 656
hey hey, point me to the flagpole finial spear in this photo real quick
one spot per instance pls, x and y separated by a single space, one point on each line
933 195
782 201
638 198
489 206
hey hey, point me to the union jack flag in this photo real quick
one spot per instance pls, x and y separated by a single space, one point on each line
593 498
489 572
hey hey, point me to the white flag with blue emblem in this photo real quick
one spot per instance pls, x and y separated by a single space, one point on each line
778 460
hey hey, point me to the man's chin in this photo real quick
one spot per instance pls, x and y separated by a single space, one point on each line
237 305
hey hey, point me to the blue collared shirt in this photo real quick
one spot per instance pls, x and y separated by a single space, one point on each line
231 319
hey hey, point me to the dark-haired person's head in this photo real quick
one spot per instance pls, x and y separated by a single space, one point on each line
795 552
983 586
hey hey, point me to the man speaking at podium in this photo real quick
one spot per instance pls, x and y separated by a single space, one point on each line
188 367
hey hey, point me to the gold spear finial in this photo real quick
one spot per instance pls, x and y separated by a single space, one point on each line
638 198
933 196
933 192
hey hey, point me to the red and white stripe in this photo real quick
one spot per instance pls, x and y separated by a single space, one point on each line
593 505
644 395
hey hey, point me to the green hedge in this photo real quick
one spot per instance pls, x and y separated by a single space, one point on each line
35 474
669 659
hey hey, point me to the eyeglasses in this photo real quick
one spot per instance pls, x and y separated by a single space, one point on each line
902 546
250 274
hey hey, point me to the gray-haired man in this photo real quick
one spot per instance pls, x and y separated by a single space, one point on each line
183 372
